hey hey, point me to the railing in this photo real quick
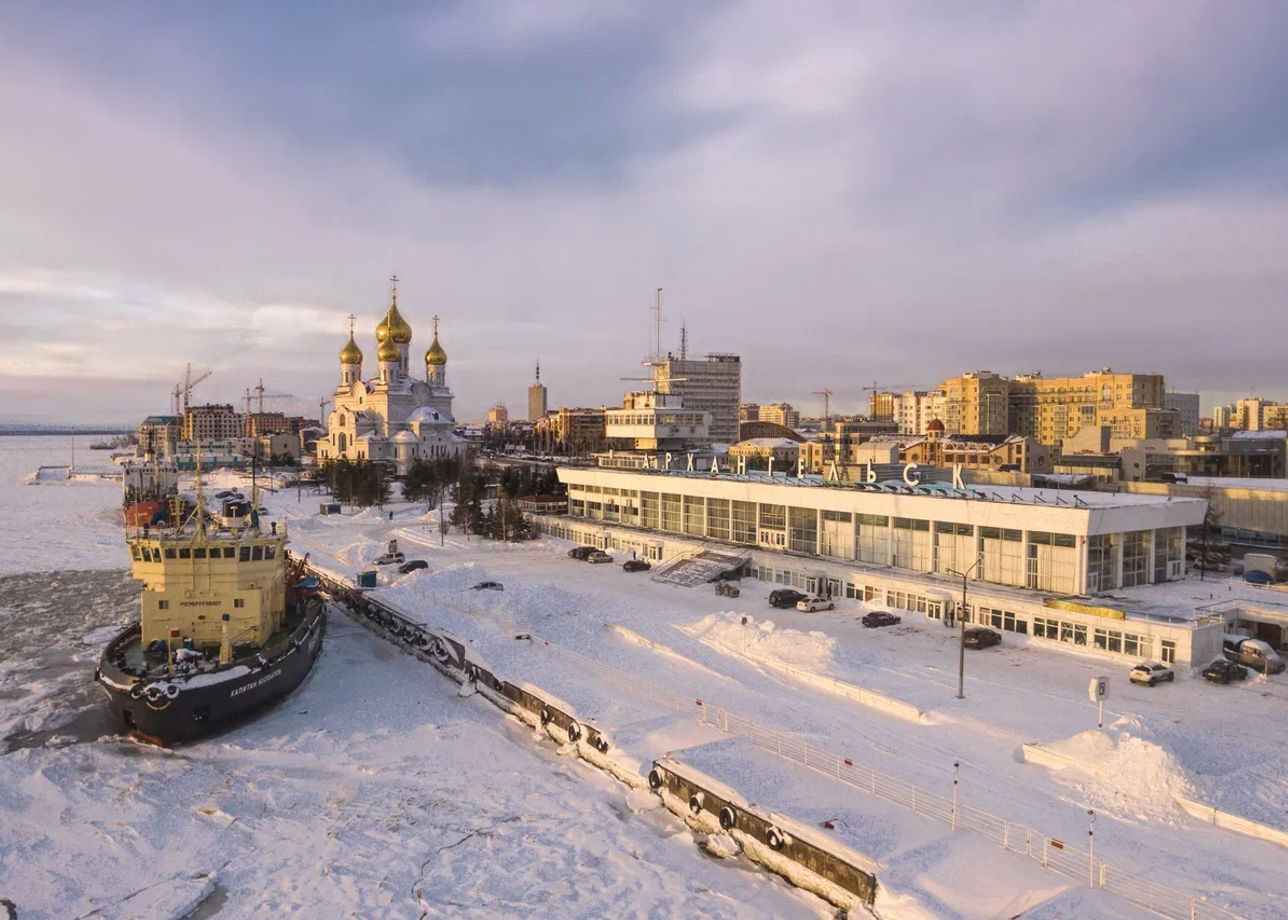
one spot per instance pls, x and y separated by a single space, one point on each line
1052 853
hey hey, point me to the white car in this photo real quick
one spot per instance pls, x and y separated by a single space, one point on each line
810 604
1151 672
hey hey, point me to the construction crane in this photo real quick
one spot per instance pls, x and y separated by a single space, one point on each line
827 405
258 389
890 387
184 388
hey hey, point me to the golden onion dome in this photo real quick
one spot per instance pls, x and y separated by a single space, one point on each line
399 331
388 350
435 356
351 353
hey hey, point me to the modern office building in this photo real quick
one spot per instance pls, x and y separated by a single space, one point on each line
1187 405
1035 557
537 398
712 384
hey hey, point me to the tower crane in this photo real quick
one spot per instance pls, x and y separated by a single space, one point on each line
258 389
827 405
184 388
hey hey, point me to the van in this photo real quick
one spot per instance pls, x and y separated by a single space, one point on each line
1255 653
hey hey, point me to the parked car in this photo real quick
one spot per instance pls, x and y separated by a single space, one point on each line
1223 671
1151 672
390 559
636 565
810 604
412 566
880 618
489 586
981 637
784 598
1256 654
581 552
599 556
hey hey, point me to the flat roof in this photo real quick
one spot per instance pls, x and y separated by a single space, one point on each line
1026 495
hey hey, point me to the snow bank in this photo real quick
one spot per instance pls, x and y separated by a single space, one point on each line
738 634
1118 772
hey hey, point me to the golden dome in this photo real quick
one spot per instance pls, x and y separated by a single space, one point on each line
351 353
399 331
388 350
435 357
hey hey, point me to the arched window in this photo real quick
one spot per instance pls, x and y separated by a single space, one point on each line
340 442
341 421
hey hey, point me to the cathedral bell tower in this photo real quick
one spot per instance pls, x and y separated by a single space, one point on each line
436 361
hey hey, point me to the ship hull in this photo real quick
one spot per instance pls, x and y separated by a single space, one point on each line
208 703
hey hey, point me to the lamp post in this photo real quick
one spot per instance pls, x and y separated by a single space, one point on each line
961 634
956 769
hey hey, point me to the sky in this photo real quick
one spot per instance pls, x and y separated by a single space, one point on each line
843 194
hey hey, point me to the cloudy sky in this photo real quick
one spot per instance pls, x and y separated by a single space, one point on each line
841 193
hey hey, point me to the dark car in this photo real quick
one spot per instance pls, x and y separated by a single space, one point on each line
785 598
636 565
581 552
1222 671
981 637
489 586
880 618
412 566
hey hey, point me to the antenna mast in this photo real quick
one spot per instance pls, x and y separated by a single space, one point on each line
684 341
657 326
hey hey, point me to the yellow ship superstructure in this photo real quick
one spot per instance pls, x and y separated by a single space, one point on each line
216 587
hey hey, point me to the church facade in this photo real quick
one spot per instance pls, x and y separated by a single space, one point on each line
393 417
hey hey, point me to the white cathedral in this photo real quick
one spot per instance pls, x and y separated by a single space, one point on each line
393 417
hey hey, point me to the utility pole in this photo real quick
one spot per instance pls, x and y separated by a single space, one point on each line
961 633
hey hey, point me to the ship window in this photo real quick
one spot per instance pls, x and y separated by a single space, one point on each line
244 555
268 552
169 552
134 551
257 553
184 553
163 605
228 552
239 602
199 553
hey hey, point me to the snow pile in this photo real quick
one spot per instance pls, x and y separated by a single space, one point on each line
1124 774
744 636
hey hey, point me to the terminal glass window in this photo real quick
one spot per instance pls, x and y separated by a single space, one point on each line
803 534
874 538
1169 554
1136 567
694 515
1168 653
912 544
955 549
1052 561
773 517
1002 552
671 512
649 510
718 518
744 522
837 536
1102 562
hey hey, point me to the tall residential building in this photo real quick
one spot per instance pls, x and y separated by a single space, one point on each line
780 414
977 402
712 384
881 405
916 409
749 412
1221 416
1051 409
212 422
537 398
1187 404
498 416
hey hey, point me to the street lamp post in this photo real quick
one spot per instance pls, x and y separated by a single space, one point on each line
961 630
1091 848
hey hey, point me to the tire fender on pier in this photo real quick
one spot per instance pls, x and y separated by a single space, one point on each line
654 779
574 731
775 838
695 802
728 817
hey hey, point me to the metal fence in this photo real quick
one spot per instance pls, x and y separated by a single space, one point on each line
1052 853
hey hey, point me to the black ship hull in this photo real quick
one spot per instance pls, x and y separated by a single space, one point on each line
166 710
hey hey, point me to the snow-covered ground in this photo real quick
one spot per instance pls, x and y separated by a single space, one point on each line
376 790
